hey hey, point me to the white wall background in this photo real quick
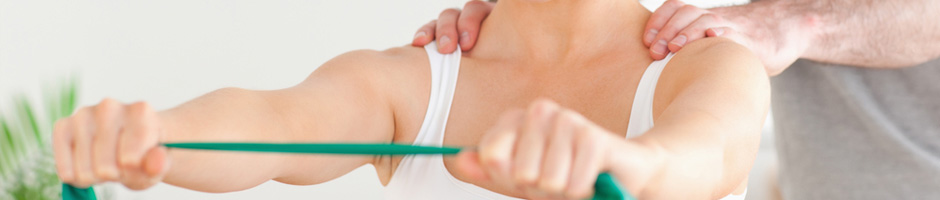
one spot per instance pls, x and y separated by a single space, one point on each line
170 51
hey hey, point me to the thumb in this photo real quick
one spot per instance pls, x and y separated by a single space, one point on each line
468 164
728 32
156 162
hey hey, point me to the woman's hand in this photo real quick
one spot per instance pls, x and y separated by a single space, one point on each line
110 142
547 151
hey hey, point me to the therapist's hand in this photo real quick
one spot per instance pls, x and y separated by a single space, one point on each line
548 152
777 40
453 27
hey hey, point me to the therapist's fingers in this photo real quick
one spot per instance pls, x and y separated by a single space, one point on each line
682 18
446 32
728 32
425 34
468 25
696 30
659 19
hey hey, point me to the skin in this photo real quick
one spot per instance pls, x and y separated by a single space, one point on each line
550 139
869 33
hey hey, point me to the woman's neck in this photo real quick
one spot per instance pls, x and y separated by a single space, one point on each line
560 31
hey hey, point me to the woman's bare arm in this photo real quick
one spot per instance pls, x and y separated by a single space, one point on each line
711 102
342 101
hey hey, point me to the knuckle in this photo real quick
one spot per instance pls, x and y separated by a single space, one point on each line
108 101
82 112
712 17
689 9
139 109
449 12
540 108
106 108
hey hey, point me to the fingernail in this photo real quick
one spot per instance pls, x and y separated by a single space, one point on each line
443 41
679 41
718 31
464 38
659 47
650 35
420 34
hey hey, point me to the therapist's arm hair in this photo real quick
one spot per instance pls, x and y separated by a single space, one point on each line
865 33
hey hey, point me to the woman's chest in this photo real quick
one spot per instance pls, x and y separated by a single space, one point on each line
478 101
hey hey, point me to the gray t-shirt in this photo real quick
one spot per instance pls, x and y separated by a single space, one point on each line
854 133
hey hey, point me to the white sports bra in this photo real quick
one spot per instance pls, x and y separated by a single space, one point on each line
424 177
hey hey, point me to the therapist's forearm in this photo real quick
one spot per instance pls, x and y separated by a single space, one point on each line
866 33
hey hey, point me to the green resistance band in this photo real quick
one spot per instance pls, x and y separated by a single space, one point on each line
606 188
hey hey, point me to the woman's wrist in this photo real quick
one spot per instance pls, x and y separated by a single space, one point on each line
634 162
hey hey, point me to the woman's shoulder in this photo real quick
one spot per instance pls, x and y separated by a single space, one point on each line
716 53
717 58
367 60
399 75
713 64
391 67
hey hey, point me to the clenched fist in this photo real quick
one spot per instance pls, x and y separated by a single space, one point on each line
110 142
547 151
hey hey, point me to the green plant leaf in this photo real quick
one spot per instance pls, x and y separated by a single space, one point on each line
6 155
72 101
26 108
27 168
